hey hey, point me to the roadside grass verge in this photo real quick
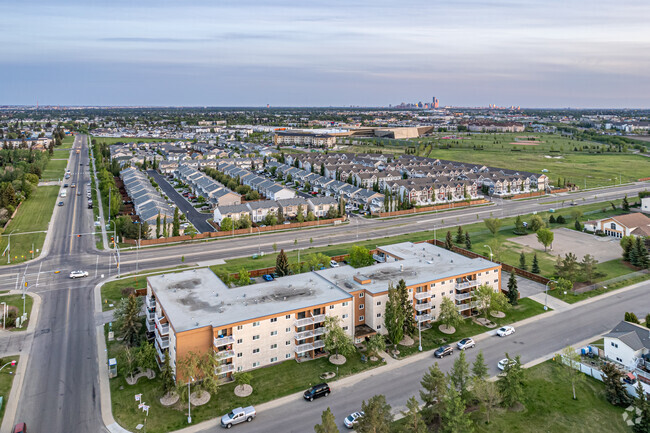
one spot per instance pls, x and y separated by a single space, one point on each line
68 141
17 301
572 297
55 169
6 380
34 214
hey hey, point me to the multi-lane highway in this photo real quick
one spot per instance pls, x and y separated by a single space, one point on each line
60 390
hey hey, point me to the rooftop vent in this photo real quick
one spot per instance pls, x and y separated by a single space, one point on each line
401 268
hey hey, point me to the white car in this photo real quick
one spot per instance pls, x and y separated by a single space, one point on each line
506 330
352 419
501 365
465 343
334 264
78 274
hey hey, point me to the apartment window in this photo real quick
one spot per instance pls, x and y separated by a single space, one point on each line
361 318
288 316
479 274
240 341
287 329
287 343
273 320
433 285
451 292
378 302
239 355
361 306
256 351
256 337
240 327
256 324
496 281
331 307
274 346
378 327
274 333
614 345
345 304
433 296
361 294
378 314
256 364
239 368
345 316
345 328
496 270
287 356
274 359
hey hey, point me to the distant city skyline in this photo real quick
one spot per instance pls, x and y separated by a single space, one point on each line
250 53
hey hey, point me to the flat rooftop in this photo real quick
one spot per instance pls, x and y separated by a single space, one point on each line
198 298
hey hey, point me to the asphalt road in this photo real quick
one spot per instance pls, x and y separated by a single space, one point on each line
197 218
60 392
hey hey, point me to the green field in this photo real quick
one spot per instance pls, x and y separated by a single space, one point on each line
6 380
33 215
55 169
553 153
68 141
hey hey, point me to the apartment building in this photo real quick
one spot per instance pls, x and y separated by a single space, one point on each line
265 323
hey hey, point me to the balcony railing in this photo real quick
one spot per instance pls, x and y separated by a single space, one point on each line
224 354
224 368
150 302
163 342
151 316
222 341
463 296
300 323
309 346
467 306
378 258
466 284
310 333
423 306
161 354
423 317
163 328
422 295
150 326
320 318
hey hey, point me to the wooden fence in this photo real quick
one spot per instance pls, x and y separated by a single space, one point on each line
432 208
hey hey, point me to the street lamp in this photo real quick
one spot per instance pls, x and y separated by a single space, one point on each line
189 401
420 335
9 247
259 241
4 311
546 294
487 246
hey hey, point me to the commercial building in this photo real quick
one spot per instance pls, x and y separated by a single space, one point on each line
265 323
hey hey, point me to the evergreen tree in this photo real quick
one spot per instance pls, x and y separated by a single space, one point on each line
522 261
282 264
535 268
551 219
459 376
614 390
328 423
479 368
519 226
454 419
642 259
626 204
414 422
129 322
157 225
511 382
468 241
434 387
406 303
167 376
459 236
641 403
577 225
448 241
377 416
176 223
165 232
394 317
513 292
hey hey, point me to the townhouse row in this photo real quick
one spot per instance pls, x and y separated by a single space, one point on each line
147 201
257 211
266 323
213 191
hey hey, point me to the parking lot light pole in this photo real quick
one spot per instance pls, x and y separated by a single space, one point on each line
189 401
546 294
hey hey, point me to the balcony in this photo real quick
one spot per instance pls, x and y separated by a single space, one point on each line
468 306
223 341
161 354
309 346
300 323
378 258
151 316
224 368
150 326
309 333
224 354
163 342
463 296
163 328
423 306
466 284
320 318
422 295
423 318
150 302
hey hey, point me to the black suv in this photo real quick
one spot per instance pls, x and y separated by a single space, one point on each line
443 351
316 391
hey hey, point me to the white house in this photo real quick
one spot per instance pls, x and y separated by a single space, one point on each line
627 344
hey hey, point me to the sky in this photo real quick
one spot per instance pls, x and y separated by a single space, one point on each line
548 53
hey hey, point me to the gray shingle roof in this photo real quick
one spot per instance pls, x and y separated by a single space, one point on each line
635 336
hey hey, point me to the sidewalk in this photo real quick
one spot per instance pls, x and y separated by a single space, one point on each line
93 181
17 387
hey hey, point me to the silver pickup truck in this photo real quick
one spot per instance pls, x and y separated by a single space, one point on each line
238 415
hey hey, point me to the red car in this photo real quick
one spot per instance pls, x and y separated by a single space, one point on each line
20 428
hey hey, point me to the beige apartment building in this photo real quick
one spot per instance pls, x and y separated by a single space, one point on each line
266 323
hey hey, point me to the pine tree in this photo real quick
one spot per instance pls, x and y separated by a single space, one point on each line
454 419
434 384
459 376
535 267
167 376
448 241
641 252
626 204
468 241
459 235
614 390
282 264
513 292
164 228
129 323
328 423
522 261
176 223
157 224
643 406
577 225
551 219
414 422
406 303
479 368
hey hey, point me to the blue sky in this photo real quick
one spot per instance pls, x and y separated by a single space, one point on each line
318 53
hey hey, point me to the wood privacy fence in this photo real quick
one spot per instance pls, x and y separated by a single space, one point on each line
432 208
263 271
221 234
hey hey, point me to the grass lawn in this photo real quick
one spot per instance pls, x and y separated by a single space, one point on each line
34 215
6 380
17 301
68 141
572 298
55 169
549 407
268 383
433 338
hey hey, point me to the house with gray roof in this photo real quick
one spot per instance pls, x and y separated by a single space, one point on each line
628 344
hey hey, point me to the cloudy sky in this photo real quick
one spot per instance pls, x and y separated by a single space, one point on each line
545 53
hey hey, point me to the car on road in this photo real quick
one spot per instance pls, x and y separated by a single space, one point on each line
78 192
78 274
443 351
73 186
352 419
317 391
505 331
465 343
501 365
237 416
267 277
65 185
60 203
20 428
334 264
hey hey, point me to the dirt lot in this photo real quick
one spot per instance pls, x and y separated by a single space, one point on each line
566 241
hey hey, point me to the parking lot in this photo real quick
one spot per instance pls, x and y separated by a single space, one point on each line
570 241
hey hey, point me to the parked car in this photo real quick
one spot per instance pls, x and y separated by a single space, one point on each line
334 264
267 277
465 343
352 419
78 274
237 416
317 391
501 365
443 351
20 428
65 185
60 203
505 331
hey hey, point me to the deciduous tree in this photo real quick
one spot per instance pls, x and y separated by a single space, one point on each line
449 315
487 394
360 257
569 371
336 339
545 237
448 241
493 225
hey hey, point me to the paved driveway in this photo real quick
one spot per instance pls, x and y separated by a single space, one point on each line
579 243
197 218
526 287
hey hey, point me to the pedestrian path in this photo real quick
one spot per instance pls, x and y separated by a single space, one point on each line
552 302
